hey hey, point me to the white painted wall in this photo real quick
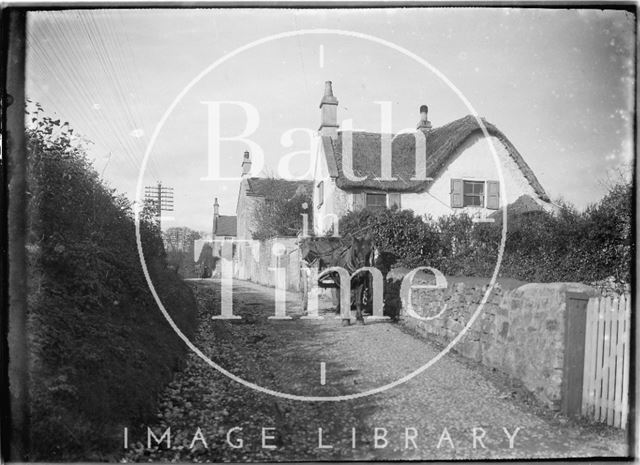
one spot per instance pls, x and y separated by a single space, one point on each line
474 161
336 201
245 212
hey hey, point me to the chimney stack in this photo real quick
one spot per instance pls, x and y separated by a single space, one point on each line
328 113
424 122
246 164
216 214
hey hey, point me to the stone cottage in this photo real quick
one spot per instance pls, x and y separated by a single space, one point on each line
254 191
208 250
224 226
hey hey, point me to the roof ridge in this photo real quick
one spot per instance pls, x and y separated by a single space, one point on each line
458 120
368 133
441 143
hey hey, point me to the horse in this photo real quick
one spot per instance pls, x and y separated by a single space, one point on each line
328 252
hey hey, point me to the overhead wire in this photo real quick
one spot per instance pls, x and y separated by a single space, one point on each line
48 62
113 63
126 54
62 57
89 55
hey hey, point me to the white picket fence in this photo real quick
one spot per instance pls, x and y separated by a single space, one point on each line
605 396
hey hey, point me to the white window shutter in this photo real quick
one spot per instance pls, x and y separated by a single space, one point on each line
359 200
456 193
394 199
493 195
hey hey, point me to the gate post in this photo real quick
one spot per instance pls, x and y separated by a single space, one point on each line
575 322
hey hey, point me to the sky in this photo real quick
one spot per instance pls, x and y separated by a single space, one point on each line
559 83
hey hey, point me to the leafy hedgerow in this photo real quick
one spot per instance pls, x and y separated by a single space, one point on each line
567 246
100 350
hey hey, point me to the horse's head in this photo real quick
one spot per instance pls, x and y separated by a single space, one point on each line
362 249
314 248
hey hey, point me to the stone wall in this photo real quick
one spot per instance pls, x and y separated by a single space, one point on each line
252 262
518 332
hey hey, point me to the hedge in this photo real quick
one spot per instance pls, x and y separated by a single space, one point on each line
567 245
100 350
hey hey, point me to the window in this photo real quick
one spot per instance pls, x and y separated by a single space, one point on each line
320 189
466 193
376 201
473 193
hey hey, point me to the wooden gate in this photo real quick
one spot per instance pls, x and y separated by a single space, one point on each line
605 395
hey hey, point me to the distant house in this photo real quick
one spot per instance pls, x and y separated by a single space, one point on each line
208 250
224 226
255 191
452 171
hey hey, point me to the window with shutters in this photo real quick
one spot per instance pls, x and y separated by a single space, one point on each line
376 201
473 193
320 193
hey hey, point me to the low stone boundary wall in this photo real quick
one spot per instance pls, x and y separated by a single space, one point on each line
252 262
520 332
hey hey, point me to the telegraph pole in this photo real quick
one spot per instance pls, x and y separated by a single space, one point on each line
162 197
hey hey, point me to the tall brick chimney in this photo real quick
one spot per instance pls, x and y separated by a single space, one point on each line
246 164
424 122
328 113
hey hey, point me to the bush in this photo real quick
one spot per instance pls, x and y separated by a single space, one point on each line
540 247
281 217
100 350
400 232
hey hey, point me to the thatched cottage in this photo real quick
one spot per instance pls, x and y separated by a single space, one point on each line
453 170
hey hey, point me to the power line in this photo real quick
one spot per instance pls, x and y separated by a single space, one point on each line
88 54
161 197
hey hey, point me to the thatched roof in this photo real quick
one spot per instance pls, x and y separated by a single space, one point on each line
274 188
442 145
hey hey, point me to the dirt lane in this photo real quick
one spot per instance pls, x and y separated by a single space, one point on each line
436 415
